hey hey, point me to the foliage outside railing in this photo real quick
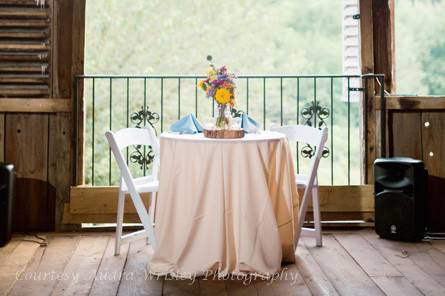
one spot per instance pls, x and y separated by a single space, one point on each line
115 102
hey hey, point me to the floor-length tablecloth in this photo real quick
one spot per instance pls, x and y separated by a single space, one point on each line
227 206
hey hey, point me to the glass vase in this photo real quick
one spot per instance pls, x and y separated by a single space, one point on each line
222 120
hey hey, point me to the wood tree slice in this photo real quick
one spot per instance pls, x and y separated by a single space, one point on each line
224 134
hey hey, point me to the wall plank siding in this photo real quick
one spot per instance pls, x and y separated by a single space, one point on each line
26 147
36 68
60 161
405 127
418 133
433 146
2 137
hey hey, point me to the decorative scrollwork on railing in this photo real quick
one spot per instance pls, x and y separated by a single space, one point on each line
314 115
143 155
236 112
308 151
138 156
144 116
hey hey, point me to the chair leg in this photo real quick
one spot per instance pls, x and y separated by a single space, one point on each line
302 216
152 209
144 216
119 222
303 206
316 211
149 211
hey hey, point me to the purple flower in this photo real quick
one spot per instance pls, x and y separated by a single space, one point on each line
216 83
222 76
211 92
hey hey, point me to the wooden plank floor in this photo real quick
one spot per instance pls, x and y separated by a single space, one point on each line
349 263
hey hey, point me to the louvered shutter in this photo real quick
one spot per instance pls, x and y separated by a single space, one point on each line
351 48
24 48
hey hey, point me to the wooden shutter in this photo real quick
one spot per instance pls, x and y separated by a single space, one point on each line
351 47
25 42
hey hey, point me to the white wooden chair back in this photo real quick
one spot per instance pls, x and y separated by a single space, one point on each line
308 135
129 137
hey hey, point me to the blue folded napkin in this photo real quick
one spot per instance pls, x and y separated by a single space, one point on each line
187 125
248 124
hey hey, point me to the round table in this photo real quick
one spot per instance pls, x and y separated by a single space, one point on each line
225 205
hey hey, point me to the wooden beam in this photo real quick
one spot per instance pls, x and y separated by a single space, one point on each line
359 198
25 105
68 19
99 200
366 36
99 204
368 145
344 217
383 32
70 218
413 103
78 53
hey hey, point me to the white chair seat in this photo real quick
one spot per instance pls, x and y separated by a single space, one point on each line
303 180
143 184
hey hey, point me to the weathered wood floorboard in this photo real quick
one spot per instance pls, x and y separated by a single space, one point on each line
349 263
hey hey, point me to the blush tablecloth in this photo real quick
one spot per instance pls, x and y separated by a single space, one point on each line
226 206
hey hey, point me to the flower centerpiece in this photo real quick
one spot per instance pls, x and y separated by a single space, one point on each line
220 86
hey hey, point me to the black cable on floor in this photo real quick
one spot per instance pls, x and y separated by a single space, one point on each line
43 242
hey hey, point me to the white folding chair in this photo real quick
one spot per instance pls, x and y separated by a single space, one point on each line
315 137
135 186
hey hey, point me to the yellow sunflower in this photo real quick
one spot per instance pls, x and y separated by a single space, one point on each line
223 96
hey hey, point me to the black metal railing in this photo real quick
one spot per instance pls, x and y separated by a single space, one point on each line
112 102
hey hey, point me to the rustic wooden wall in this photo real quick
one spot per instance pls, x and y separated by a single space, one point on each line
416 129
36 126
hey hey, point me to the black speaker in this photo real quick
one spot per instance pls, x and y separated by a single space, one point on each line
400 198
7 179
